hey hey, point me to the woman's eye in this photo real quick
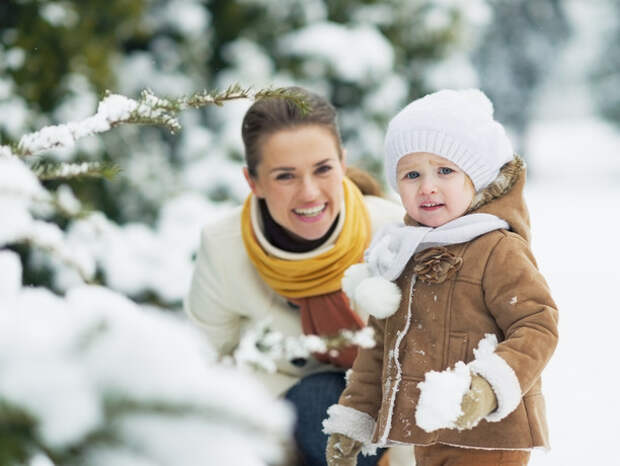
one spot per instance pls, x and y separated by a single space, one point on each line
445 170
412 175
323 169
284 176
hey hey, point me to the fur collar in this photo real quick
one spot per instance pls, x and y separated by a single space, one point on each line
508 176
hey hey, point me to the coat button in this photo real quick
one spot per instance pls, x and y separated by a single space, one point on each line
299 362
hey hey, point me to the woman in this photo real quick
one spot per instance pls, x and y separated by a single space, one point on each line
283 253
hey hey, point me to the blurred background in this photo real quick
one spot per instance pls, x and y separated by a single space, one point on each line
551 68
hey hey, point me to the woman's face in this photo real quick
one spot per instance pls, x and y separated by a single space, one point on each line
300 177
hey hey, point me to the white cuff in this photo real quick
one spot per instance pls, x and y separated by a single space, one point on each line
502 379
350 422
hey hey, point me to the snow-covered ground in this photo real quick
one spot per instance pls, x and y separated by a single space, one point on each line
574 201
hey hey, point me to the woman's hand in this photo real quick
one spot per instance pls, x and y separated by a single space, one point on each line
342 450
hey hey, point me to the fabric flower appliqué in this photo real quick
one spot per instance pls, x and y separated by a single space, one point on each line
436 265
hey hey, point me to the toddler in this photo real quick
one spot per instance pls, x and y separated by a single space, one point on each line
463 319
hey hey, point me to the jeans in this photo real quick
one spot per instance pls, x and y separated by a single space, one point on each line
311 397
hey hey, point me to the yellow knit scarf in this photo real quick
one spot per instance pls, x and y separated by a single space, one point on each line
320 274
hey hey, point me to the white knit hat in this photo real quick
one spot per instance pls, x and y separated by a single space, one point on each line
457 125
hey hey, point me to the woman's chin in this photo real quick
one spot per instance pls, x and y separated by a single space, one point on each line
310 231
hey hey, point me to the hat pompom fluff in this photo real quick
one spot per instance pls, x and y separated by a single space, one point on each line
351 279
377 296
478 101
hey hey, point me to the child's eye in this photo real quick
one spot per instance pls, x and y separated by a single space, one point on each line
284 176
412 175
445 170
323 169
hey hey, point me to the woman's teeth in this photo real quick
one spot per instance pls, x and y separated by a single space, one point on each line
311 211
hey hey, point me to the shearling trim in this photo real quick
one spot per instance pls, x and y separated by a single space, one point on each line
508 176
500 376
394 356
347 376
470 447
350 422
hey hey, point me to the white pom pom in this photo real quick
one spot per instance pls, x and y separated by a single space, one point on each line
353 276
378 297
476 101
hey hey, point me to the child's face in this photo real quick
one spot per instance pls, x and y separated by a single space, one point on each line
434 191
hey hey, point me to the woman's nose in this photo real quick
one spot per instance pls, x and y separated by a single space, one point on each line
309 189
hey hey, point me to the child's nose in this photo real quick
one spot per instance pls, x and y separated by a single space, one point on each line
428 185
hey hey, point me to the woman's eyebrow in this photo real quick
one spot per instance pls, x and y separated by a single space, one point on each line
322 162
286 169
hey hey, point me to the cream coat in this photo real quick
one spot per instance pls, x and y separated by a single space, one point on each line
227 294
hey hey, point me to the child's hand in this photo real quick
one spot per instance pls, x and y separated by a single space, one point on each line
477 403
342 450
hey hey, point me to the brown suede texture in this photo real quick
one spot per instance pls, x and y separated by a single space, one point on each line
445 455
495 288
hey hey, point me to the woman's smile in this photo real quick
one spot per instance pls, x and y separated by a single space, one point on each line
311 214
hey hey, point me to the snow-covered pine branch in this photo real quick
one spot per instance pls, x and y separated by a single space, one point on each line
23 198
93 379
21 194
48 170
149 109
260 346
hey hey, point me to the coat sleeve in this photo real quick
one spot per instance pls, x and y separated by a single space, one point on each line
357 409
520 301
205 303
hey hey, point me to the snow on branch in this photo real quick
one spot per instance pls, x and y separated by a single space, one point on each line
149 109
260 346
47 170
84 380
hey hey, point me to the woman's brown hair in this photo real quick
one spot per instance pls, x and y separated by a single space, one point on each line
269 115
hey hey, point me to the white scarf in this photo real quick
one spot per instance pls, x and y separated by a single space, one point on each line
394 245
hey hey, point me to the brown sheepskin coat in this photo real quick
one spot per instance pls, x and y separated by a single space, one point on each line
490 285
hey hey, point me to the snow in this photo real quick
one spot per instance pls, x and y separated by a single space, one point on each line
372 55
59 14
188 17
148 376
260 346
14 58
11 276
136 258
579 381
112 109
138 71
17 179
13 116
441 393
21 193
390 94
67 200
